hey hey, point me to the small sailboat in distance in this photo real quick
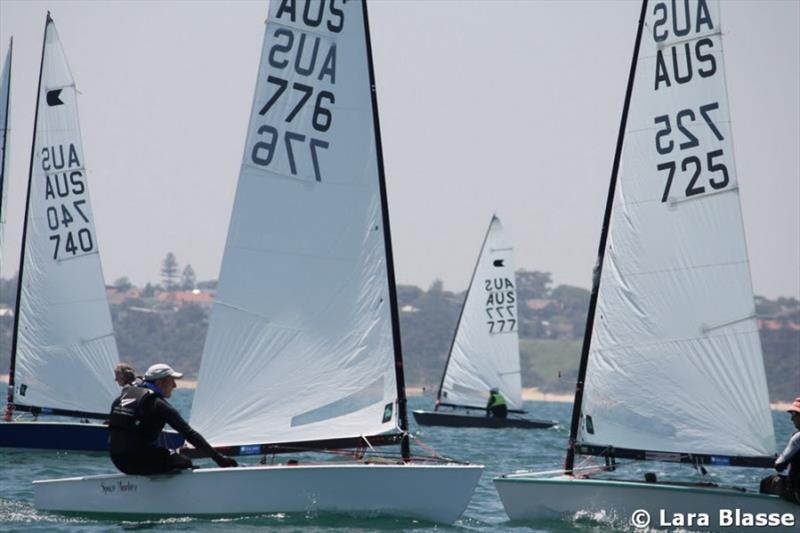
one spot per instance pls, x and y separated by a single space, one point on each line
671 368
63 348
484 354
303 350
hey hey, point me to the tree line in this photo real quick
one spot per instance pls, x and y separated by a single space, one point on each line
551 327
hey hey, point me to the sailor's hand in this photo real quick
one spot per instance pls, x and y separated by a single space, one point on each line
223 461
780 467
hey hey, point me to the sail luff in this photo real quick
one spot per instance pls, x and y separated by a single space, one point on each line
596 274
5 87
387 240
20 272
463 305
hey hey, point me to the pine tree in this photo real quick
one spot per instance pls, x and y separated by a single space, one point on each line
188 278
169 272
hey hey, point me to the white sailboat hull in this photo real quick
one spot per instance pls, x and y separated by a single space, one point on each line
528 497
438 493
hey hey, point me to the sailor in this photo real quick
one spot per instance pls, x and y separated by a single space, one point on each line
124 374
137 418
496 406
790 457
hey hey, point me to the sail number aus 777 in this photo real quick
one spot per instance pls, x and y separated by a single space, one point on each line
500 305
692 165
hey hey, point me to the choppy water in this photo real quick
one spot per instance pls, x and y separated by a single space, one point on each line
502 451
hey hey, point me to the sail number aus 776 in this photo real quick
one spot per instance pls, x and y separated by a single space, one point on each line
264 150
692 165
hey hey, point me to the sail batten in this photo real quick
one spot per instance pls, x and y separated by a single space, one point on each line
485 351
302 344
64 350
674 361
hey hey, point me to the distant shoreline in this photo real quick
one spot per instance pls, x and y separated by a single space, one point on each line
528 393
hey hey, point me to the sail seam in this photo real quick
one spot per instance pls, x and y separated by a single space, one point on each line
675 340
683 269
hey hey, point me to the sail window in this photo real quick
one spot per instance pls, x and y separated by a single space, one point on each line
369 395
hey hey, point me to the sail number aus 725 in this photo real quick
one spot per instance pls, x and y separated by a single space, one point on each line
691 166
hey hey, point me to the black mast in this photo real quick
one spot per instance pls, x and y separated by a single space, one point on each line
587 336
461 313
387 239
10 407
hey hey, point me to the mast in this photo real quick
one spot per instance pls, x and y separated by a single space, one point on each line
10 406
461 312
387 239
587 336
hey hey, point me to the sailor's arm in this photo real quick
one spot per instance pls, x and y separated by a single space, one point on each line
792 448
176 421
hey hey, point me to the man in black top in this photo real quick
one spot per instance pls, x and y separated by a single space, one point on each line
137 418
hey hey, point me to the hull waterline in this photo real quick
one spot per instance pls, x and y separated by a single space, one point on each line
431 418
526 497
65 436
436 493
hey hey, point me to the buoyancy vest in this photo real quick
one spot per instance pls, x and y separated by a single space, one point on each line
496 399
794 472
129 427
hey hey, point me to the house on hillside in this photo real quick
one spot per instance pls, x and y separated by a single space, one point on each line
180 298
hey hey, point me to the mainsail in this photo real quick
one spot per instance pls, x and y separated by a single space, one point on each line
64 351
485 350
5 98
303 343
675 361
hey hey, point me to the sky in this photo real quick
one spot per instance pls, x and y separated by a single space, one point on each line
498 107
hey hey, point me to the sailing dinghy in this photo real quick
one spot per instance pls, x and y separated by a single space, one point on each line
671 368
303 349
63 349
484 354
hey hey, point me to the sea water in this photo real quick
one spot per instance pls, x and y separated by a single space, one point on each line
502 451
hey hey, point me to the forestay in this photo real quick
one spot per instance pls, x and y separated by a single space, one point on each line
5 97
300 344
65 347
485 349
675 363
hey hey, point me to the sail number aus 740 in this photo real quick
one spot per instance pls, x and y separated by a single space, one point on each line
692 165
67 212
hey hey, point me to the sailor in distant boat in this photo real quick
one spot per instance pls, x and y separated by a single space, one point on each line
137 418
125 374
496 406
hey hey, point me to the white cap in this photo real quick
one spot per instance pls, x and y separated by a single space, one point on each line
161 371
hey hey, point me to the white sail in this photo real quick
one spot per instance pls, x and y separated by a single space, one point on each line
66 349
300 343
675 363
5 94
485 350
